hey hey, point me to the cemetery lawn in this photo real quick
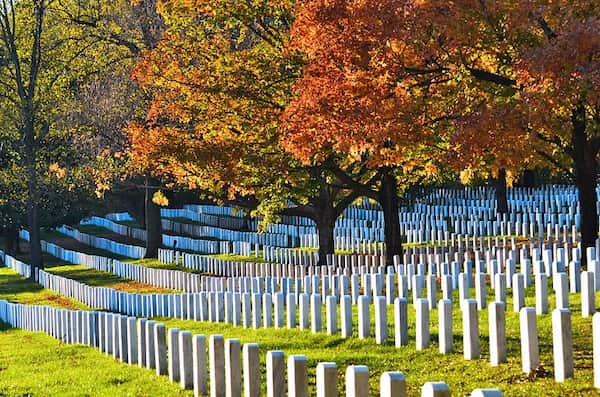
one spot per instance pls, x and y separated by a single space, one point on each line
54 376
461 375
156 264
17 289
132 223
34 364
108 234
239 258
193 222
96 278
70 243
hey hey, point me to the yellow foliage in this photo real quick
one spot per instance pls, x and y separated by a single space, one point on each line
57 170
160 199
466 176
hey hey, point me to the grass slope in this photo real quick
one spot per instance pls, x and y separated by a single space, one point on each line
34 364
96 278
429 365
16 288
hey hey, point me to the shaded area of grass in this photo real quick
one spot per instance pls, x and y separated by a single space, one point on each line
239 258
132 223
102 232
189 221
70 243
34 364
156 264
17 289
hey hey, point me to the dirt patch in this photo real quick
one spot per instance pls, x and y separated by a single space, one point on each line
61 301
134 286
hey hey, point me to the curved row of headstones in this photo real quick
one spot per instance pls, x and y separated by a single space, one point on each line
221 367
131 251
535 214
528 224
407 279
256 310
197 231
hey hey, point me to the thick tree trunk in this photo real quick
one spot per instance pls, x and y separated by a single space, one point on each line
584 157
33 202
501 197
12 240
35 244
153 222
388 199
325 221
528 178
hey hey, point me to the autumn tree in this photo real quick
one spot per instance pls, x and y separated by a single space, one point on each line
111 100
522 76
356 101
220 78
558 71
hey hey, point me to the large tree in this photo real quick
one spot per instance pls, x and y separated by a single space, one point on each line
111 100
355 102
523 77
220 78
44 58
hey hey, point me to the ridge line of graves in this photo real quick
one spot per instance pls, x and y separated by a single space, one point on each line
559 215
225 370
288 237
256 309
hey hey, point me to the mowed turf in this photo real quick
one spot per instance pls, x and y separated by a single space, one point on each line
34 364
419 366
18 289
97 278
463 376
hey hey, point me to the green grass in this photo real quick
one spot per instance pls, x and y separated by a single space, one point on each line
238 258
419 366
34 364
16 288
60 239
132 223
193 222
156 264
429 365
316 249
91 229
106 233
96 278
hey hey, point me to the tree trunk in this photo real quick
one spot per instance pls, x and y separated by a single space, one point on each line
501 198
325 221
12 240
584 158
388 199
33 202
153 221
35 244
528 178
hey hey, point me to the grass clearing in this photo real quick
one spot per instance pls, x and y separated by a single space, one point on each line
35 364
429 365
96 278
18 289
419 366
156 264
